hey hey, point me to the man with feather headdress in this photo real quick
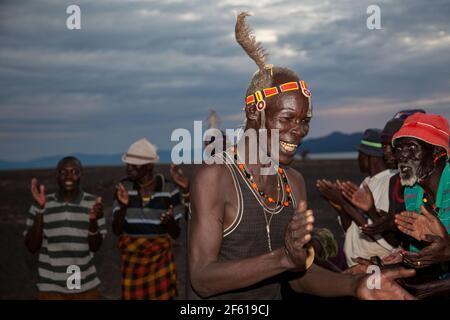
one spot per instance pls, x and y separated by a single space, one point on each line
250 231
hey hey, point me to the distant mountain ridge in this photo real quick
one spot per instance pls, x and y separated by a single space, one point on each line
86 160
334 142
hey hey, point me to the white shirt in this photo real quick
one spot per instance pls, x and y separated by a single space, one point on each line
379 185
356 243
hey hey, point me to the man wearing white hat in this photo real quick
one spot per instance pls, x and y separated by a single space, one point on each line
141 152
146 211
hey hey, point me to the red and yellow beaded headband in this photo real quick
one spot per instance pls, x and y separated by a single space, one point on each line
259 97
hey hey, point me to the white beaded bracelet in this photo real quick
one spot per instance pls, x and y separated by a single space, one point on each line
93 233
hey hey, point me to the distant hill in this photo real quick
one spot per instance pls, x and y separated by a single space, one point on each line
334 142
86 160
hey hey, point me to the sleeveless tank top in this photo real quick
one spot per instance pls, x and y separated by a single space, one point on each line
247 236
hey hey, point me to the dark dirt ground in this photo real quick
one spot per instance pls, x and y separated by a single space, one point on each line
18 267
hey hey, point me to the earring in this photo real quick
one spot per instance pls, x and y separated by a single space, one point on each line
436 159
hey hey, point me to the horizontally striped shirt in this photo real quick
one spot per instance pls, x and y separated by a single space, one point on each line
65 243
143 217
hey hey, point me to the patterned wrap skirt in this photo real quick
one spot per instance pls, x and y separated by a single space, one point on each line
148 268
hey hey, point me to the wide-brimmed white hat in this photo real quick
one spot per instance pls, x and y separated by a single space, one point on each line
141 152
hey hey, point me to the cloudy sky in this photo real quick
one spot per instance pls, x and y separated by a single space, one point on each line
143 68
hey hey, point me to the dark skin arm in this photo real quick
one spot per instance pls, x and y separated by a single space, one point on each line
95 238
210 276
353 213
321 282
33 238
419 225
326 190
182 181
179 178
172 225
119 220
325 283
437 288
428 228
361 198
299 190
437 251
383 223
119 216
385 226
345 209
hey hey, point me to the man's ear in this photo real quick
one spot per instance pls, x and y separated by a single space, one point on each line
438 153
252 113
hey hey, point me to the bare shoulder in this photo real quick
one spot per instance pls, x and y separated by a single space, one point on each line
210 176
211 181
209 197
295 176
297 183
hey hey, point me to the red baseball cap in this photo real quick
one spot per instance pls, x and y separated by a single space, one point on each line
430 128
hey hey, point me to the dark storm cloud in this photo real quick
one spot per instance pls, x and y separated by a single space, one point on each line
144 68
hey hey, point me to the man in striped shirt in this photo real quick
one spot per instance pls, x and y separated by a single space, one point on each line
66 227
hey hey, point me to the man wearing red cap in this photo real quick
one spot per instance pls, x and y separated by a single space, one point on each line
394 201
422 150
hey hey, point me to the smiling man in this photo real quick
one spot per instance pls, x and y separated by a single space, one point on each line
66 227
249 232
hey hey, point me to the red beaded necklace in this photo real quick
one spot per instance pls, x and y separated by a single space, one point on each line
254 185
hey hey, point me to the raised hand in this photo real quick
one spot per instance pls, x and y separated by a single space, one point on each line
438 251
167 217
96 211
38 194
178 177
330 191
418 226
298 234
389 289
383 224
360 197
122 195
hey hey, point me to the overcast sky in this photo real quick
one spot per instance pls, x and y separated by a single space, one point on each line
144 68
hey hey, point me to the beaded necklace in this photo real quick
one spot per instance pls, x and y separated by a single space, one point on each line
430 205
280 203
146 198
284 202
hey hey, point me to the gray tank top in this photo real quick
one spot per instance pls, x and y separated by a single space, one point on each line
247 236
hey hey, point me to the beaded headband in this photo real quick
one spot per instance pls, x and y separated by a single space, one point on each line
259 97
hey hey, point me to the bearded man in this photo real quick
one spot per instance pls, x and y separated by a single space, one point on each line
422 151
